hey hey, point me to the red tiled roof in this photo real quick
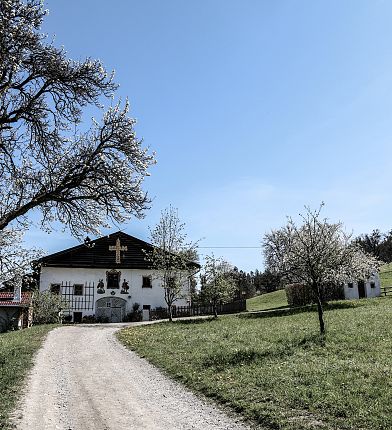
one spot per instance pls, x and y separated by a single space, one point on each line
25 299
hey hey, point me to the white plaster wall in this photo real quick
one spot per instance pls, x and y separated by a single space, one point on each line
352 293
376 291
136 294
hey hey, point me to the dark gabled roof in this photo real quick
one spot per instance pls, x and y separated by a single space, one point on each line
98 255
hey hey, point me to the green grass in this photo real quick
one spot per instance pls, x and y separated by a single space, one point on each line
274 300
277 371
386 275
17 349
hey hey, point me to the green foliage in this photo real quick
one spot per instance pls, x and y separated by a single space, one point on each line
9 319
48 307
135 315
217 282
377 244
278 371
266 281
245 283
301 295
17 349
88 319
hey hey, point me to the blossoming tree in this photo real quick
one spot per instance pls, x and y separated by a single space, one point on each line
173 258
315 253
51 161
217 282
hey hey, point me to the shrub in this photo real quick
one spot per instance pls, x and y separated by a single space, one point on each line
102 319
159 313
135 314
9 319
67 318
301 295
89 319
47 307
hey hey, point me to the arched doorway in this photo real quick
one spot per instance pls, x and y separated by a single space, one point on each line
111 308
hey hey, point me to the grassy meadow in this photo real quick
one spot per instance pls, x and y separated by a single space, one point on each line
277 371
386 275
17 349
264 302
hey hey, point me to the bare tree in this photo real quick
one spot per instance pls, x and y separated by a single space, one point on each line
217 283
49 160
172 257
316 253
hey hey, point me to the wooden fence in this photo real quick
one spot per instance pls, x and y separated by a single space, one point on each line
189 311
386 291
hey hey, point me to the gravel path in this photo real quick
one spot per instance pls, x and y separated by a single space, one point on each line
84 379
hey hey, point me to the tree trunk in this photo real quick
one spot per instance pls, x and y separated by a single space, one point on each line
170 313
215 310
319 309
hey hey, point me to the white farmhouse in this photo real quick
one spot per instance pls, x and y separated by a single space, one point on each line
105 278
371 287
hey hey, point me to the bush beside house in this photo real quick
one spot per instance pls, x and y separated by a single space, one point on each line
301 295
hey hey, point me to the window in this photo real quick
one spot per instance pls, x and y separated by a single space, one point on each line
55 288
113 280
78 289
350 285
170 282
147 282
108 304
372 285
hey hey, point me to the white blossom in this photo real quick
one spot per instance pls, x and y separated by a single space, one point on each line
316 253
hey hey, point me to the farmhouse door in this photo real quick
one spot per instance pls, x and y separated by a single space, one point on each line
110 309
361 289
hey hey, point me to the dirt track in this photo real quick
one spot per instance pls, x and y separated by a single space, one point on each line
84 379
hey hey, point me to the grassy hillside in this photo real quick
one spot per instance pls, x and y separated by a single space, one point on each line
276 299
386 275
277 371
17 349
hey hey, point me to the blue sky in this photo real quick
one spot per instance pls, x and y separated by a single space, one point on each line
255 108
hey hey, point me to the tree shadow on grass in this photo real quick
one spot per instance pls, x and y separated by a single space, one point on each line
274 308
276 312
195 321
284 311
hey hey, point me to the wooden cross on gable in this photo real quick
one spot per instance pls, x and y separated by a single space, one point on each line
118 248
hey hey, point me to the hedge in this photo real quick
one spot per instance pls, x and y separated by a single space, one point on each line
300 295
